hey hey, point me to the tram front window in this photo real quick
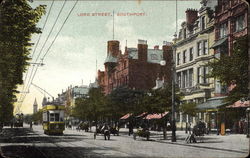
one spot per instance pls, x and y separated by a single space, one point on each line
54 117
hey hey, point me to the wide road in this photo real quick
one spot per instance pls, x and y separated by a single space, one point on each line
25 143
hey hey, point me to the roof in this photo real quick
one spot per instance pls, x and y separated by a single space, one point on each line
240 104
126 116
219 42
110 59
80 90
212 103
155 116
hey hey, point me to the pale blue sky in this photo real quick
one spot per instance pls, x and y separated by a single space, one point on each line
83 39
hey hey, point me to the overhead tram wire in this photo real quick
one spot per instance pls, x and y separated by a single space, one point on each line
28 83
51 45
46 42
26 74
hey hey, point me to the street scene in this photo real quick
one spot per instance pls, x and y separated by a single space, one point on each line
137 78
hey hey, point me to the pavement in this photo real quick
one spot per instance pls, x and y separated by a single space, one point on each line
233 145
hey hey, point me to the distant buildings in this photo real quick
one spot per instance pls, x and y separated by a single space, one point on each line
136 68
35 107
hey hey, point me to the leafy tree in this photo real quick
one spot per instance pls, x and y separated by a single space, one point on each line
189 108
91 108
123 100
160 101
38 116
233 69
17 23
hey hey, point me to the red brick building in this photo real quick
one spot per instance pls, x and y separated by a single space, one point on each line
136 68
230 23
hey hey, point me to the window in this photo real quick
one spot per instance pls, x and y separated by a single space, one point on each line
184 79
203 23
205 74
178 58
239 23
191 54
184 56
154 57
54 116
199 75
223 30
190 77
199 48
185 33
205 50
179 79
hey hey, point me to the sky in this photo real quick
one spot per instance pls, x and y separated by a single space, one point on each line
71 60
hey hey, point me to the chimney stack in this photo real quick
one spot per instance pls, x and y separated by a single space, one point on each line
113 48
142 50
191 16
156 47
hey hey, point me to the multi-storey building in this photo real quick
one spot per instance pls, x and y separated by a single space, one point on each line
136 68
230 23
192 53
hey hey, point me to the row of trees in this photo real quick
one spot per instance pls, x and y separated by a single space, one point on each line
123 100
17 23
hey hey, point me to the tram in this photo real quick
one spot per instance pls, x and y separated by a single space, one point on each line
53 118
18 120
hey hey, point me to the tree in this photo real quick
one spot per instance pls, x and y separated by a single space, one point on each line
91 108
123 100
233 69
160 101
17 23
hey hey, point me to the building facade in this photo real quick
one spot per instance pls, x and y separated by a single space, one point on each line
136 68
230 23
192 53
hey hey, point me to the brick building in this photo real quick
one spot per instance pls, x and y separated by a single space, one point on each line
136 68
230 23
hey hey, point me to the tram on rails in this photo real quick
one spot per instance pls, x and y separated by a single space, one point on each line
18 120
53 118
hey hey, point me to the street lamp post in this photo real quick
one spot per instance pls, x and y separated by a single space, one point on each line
173 94
248 123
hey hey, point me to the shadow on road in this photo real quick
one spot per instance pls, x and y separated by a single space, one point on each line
19 143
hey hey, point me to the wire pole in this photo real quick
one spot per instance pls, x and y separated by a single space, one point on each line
173 139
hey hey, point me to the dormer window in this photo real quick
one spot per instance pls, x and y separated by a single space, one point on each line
185 33
203 23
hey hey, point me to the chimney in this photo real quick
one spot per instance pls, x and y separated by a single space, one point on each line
113 48
191 16
156 47
142 50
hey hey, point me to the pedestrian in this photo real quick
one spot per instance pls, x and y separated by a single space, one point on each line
30 125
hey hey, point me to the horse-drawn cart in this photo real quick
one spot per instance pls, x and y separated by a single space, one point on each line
105 131
142 133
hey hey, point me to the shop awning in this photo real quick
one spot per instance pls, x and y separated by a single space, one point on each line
141 115
219 42
155 116
240 104
212 103
125 116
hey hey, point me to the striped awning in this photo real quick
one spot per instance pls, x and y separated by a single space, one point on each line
240 104
141 115
155 116
126 116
